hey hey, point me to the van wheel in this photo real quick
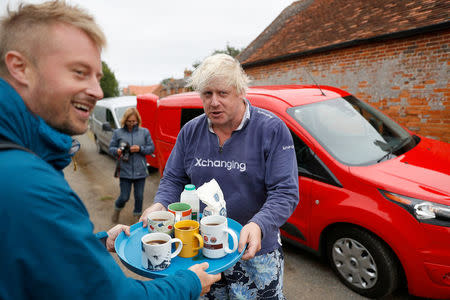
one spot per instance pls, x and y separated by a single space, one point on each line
99 148
362 262
151 169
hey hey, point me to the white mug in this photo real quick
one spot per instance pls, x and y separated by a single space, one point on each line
157 250
181 210
161 221
214 230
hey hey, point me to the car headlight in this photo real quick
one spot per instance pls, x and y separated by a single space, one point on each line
423 211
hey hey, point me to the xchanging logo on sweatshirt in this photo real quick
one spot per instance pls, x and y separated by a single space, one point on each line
229 165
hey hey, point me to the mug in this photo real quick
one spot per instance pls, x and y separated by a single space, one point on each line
215 233
182 211
161 221
157 250
187 232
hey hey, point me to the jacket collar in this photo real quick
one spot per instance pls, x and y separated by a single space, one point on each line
20 126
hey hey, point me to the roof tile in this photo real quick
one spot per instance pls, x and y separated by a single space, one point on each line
311 24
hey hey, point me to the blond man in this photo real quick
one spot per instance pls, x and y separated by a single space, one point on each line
50 68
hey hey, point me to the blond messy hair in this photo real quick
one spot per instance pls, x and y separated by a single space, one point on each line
28 27
128 113
221 66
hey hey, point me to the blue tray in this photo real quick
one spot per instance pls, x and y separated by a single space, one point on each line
128 248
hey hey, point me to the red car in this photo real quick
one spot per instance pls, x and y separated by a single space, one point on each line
374 197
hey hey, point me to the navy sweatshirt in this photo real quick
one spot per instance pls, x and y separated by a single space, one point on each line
256 169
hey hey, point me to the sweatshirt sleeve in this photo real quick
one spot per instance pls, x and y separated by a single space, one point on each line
174 178
281 180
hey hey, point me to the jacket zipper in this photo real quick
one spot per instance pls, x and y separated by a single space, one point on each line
131 156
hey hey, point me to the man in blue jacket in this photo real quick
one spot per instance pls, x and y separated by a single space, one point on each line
250 153
50 68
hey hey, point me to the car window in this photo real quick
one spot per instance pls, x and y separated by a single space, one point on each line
309 165
100 114
110 119
350 130
188 114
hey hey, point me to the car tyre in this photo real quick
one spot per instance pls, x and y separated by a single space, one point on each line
99 147
362 261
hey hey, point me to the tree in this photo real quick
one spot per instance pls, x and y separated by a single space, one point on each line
230 50
166 81
109 83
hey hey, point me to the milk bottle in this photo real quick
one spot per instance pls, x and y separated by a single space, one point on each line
189 196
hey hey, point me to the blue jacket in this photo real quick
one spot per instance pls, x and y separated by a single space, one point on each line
256 169
48 249
136 166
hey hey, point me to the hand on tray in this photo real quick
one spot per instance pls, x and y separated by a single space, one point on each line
113 233
206 279
251 235
154 207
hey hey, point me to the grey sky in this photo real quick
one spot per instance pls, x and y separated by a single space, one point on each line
150 40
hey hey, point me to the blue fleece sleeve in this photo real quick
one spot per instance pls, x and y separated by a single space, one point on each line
49 250
174 178
148 146
281 180
182 285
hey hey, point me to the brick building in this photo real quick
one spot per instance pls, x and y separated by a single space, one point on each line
139 89
392 54
172 86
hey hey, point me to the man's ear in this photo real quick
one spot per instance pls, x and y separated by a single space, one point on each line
18 66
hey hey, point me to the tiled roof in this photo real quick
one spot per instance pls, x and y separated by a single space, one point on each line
313 24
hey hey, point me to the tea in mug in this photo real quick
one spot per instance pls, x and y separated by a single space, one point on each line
155 242
187 228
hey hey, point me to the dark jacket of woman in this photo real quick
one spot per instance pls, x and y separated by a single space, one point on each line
136 166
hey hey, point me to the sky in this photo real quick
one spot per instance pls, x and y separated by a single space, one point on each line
150 40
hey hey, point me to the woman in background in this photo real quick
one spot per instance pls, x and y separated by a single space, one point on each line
130 144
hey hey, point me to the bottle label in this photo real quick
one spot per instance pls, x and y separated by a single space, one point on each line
194 216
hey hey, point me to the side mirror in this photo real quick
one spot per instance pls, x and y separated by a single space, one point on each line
106 127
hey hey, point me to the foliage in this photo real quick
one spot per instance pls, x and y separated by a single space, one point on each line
109 83
166 81
230 50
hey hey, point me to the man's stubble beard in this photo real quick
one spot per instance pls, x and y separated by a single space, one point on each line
52 117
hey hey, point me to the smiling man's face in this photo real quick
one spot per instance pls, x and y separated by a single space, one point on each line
65 79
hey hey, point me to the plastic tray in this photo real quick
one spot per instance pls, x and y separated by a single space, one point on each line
128 248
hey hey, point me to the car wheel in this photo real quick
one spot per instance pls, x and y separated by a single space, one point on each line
362 262
99 147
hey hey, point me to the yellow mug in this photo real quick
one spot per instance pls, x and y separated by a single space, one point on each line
188 232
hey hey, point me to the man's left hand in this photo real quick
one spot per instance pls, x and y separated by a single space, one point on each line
251 235
113 233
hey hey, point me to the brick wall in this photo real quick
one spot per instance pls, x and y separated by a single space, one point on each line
405 78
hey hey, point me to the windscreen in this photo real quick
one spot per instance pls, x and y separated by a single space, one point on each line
351 131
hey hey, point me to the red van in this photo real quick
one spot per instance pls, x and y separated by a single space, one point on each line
374 197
